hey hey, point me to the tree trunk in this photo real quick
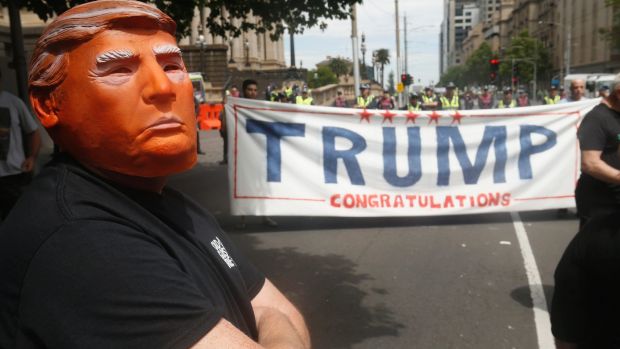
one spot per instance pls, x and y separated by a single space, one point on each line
19 57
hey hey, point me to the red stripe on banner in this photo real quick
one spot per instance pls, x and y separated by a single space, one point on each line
277 198
234 154
546 198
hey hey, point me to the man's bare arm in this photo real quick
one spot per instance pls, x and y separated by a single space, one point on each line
280 326
34 144
267 302
592 164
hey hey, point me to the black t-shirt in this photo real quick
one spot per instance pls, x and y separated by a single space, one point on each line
599 130
586 299
86 264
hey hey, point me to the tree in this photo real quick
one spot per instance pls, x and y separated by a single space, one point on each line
520 57
382 58
320 77
228 18
454 74
339 66
477 68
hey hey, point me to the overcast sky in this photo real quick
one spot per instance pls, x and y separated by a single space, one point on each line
376 20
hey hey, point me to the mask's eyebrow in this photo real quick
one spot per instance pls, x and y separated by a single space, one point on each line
114 55
166 49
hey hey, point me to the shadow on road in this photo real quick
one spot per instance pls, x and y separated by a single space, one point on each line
523 297
327 290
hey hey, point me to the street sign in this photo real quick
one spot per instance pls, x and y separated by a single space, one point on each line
400 87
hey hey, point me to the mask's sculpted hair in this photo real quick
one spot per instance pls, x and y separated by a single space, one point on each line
81 23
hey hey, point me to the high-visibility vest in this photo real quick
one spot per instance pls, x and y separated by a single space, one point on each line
512 104
450 105
364 102
288 91
555 100
301 100
426 99
412 107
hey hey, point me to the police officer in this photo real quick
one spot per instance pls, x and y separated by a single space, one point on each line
414 103
450 100
304 99
429 99
553 97
365 100
507 101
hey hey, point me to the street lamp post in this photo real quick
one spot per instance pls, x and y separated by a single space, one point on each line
363 49
246 44
231 60
201 42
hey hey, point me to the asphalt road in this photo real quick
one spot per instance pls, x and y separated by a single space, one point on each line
426 282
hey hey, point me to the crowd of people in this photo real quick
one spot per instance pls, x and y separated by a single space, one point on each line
450 98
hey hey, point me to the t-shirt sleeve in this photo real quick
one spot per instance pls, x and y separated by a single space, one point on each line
27 121
253 278
105 285
591 132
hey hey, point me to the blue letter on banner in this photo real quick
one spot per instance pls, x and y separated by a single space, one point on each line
390 172
331 155
527 149
274 131
471 173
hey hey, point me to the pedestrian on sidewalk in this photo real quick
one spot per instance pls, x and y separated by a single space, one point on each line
19 146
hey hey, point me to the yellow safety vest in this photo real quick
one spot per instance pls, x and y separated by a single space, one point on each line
426 99
450 105
555 100
512 104
361 102
416 107
301 100
288 92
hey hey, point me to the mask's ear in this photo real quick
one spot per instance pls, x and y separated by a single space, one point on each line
45 107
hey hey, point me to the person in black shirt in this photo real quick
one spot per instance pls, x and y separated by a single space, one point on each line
585 304
99 253
598 188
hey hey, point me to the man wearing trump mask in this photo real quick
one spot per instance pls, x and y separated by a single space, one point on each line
99 252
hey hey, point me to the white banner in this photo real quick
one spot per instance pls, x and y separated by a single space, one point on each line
286 159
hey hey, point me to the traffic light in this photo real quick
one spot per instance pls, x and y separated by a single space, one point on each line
494 68
406 79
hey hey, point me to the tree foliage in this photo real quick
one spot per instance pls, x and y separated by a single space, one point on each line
321 76
273 15
382 57
524 50
339 66
523 53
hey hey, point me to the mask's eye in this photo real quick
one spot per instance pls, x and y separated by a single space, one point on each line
120 70
172 67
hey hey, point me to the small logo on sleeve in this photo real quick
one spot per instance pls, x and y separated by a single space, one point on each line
221 250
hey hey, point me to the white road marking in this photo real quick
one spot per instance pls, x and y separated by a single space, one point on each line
541 314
